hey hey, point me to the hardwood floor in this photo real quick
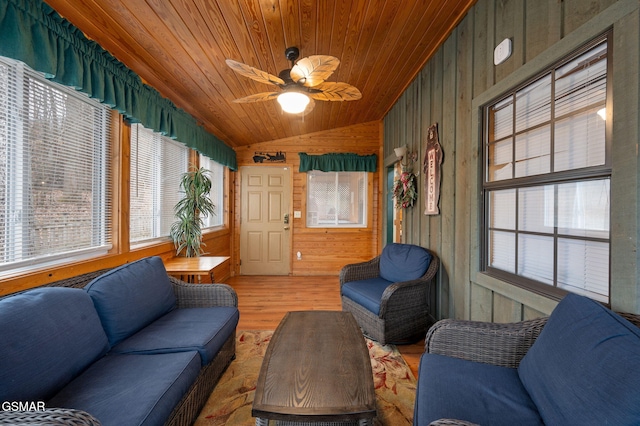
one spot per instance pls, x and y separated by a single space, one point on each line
263 301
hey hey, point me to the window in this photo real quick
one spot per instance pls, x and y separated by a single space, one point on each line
336 199
217 190
547 179
55 180
157 165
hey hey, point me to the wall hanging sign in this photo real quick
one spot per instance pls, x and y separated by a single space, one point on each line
278 157
432 172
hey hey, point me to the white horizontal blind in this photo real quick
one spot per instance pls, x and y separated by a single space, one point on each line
55 177
543 223
336 199
157 166
216 173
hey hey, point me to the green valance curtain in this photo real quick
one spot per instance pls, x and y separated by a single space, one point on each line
34 33
338 162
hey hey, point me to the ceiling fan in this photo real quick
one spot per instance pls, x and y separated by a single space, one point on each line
299 85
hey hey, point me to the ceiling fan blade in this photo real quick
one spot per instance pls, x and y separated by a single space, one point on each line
314 70
329 91
258 97
254 73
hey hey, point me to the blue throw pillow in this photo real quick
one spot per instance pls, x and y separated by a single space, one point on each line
48 336
130 297
583 368
403 262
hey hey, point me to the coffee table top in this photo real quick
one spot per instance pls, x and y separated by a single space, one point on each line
316 368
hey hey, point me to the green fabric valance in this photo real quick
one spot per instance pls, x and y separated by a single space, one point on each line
34 33
338 162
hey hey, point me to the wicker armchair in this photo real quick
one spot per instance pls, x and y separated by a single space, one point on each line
491 343
404 314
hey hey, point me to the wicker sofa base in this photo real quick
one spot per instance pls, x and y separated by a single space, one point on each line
188 409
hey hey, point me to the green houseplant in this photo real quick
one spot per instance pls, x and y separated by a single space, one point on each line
186 231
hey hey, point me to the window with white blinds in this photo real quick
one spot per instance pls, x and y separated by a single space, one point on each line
55 177
547 179
336 199
216 173
157 166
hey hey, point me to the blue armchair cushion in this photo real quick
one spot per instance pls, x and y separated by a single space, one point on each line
131 389
485 394
403 262
47 337
583 368
130 297
367 293
191 329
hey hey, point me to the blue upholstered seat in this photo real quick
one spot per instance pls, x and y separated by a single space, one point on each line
131 390
191 329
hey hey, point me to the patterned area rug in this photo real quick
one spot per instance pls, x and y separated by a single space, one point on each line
231 400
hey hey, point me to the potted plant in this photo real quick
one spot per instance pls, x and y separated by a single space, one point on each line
186 231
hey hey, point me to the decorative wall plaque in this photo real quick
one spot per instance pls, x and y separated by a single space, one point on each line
431 167
278 157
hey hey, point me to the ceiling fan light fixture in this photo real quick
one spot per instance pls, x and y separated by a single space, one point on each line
293 102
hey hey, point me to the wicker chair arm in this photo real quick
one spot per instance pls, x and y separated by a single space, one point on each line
452 422
491 343
360 271
50 416
203 295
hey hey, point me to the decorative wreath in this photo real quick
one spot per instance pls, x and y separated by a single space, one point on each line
405 190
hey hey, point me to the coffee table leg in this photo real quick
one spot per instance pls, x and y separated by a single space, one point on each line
262 422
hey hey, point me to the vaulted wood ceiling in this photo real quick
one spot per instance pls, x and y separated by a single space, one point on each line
179 47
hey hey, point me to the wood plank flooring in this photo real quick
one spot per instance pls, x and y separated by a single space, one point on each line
263 301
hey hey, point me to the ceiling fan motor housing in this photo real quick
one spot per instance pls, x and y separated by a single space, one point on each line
292 53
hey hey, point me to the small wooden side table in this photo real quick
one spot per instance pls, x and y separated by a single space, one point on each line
194 266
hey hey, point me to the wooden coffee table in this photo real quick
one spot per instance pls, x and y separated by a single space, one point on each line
316 369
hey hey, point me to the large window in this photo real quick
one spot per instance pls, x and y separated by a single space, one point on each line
55 182
547 179
157 165
336 199
216 173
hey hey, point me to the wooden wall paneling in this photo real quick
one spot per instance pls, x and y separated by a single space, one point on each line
482 46
530 313
426 81
464 79
509 23
505 309
578 12
543 26
448 213
324 250
435 237
481 308
625 292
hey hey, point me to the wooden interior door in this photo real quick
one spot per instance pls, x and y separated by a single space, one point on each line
265 227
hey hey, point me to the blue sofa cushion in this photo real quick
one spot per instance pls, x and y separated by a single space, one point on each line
47 337
583 368
453 388
201 329
366 293
130 297
131 389
403 262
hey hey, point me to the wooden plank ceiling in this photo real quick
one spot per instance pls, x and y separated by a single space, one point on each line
179 47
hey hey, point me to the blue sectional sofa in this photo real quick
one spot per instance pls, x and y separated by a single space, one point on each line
133 347
579 366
